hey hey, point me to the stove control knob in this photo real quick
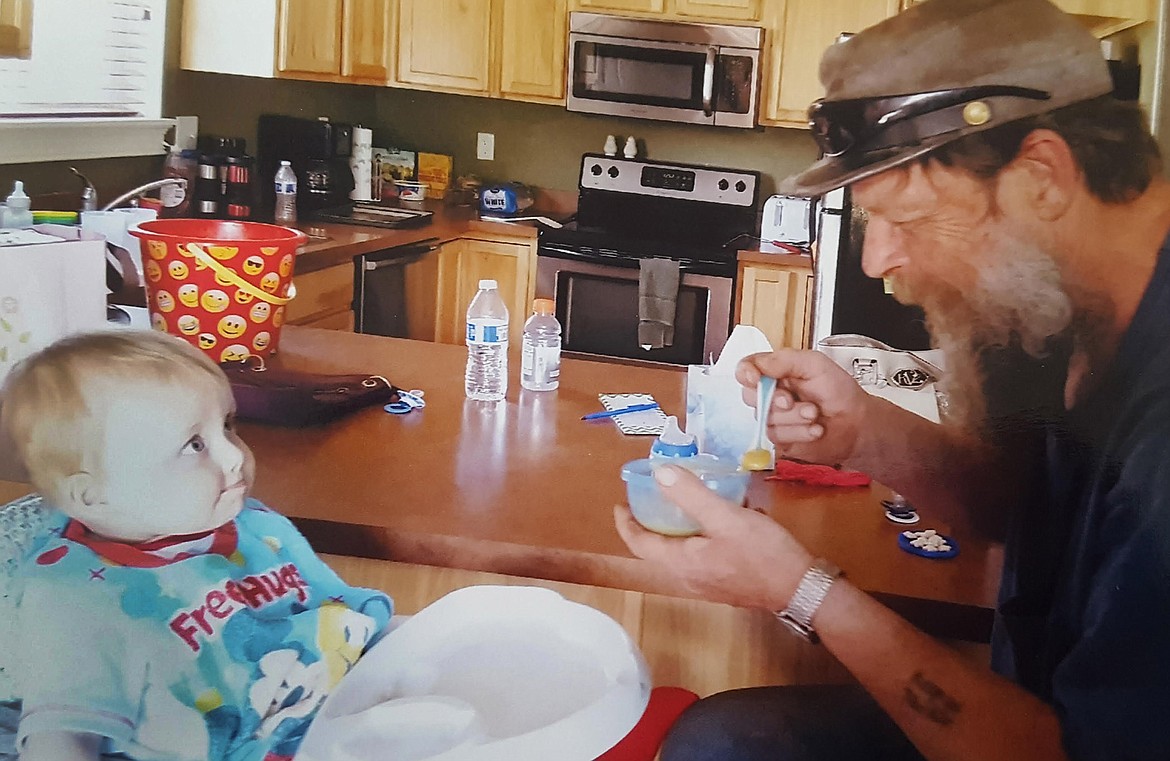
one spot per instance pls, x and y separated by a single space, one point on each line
595 170
723 185
614 172
740 186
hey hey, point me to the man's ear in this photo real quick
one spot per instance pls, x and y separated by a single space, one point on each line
81 493
1048 175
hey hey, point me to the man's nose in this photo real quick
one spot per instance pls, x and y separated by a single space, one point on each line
883 249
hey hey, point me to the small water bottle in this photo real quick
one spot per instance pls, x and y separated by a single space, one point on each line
487 345
540 359
286 195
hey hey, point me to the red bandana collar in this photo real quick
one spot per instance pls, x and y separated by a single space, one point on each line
149 554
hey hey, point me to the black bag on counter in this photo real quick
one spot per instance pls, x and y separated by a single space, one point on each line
289 397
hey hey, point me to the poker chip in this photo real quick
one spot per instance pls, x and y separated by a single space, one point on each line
899 512
928 544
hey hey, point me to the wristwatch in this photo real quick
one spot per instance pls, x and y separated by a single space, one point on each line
809 595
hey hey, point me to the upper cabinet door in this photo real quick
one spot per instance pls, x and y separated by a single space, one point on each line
642 6
16 28
533 49
366 40
732 10
445 43
310 37
810 26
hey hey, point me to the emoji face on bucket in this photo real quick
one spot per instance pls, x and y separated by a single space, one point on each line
285 266
207 341
260 312
153 271
232 326
189 295
158 323
243 297
214 301
253 265
269 250
188 324
278 317
235 353
157 249
165 301
262 340
178 270
269 282
223 253
223 278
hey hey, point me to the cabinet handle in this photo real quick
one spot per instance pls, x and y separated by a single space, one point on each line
709 82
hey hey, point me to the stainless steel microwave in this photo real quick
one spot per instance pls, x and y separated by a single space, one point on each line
694 73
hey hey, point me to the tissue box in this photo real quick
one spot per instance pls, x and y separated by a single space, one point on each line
717 416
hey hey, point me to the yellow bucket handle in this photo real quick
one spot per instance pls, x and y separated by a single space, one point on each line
230 276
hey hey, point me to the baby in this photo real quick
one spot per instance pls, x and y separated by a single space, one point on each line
169 615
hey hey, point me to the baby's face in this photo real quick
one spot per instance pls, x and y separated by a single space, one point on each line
173 462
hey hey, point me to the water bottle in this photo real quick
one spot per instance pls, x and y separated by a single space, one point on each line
487 345
540 360
286 195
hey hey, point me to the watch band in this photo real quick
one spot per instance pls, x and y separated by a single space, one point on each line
807 598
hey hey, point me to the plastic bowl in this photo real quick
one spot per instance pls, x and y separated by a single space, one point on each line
655 512
411 191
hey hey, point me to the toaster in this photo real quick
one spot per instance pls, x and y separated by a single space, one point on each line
788 219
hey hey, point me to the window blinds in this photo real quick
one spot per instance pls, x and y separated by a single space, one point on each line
90 58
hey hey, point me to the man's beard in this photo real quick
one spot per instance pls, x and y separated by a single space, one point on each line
1018 296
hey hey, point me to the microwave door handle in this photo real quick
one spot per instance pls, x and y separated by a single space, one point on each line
709 82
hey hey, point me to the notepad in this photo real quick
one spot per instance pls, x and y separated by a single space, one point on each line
644 423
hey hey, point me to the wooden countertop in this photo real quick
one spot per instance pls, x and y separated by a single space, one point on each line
526 488
332 243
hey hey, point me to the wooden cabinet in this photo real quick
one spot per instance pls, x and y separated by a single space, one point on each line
16 28
777 299
605 6
533 45
324 299
730 10
335 39
445 44
800 31
463 263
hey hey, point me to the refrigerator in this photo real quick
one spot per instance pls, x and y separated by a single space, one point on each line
845 299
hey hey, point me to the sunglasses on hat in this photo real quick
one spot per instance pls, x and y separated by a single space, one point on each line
839 126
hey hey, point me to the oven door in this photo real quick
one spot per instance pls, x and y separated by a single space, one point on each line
597 306
682 82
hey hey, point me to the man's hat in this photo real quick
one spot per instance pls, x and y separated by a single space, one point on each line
938 71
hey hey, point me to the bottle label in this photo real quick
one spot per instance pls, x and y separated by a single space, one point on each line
541 363
172 195
487 332
286 187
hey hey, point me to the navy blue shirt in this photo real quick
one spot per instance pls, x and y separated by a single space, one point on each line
1084 611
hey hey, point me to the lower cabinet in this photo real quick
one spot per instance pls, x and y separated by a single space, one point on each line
463 263
777 299
324 299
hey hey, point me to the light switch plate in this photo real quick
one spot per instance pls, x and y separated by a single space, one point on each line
485 146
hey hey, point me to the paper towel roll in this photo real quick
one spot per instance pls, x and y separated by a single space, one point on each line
361 162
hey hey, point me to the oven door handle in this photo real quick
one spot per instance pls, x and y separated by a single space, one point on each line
709 82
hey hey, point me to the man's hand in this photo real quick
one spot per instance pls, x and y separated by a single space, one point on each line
818 411
742 557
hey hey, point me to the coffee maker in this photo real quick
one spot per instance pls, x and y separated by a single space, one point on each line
318 150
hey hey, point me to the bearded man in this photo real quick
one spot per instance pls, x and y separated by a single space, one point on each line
1012 197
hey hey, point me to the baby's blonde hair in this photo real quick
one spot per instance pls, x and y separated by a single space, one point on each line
45 403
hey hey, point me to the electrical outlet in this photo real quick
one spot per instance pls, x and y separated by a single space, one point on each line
485 146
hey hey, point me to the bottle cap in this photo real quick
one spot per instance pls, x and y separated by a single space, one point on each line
18 199
286 163
543 307
672 442
487 285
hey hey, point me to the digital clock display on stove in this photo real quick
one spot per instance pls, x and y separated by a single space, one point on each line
668 179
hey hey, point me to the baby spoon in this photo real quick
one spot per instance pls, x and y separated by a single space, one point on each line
760 458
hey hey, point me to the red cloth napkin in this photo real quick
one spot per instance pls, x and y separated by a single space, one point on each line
641 744
816 475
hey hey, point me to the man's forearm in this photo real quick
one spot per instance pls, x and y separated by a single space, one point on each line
939 469
950 709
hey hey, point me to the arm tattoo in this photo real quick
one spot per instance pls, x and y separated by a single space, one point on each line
928 699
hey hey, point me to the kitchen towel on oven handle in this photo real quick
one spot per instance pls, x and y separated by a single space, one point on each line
293 398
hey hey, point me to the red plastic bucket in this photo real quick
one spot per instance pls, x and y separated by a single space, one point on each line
223 286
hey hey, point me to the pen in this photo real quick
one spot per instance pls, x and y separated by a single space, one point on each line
622 411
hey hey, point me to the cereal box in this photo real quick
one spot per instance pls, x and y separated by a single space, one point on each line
435 170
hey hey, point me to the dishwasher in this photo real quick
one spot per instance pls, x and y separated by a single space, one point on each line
379 288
